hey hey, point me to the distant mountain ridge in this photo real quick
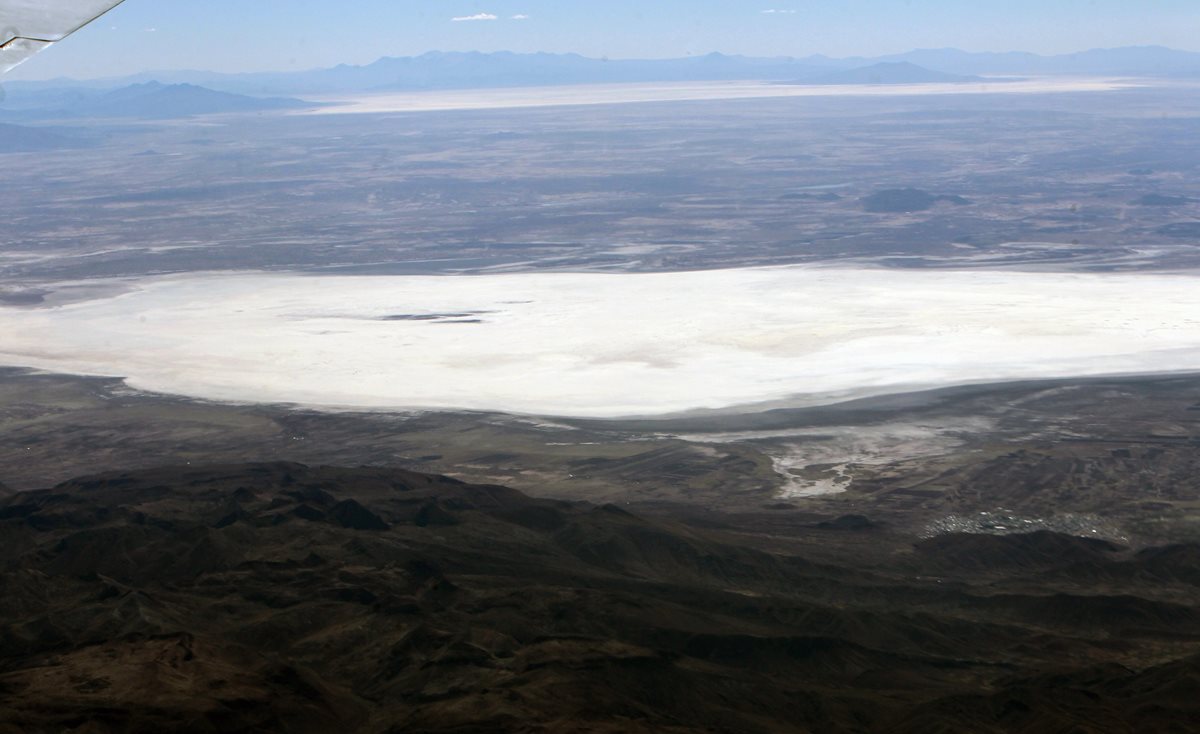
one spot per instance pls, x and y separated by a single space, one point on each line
464 70
891 72
1131 60
154 99
149 100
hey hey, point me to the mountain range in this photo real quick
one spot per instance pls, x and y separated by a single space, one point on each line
890 72
146 100
154 99
460 70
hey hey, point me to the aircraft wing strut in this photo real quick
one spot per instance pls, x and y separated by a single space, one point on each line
28 26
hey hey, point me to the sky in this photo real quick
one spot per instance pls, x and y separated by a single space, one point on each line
268 35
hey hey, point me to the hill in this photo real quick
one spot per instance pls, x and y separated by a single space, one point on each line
281 597
157 101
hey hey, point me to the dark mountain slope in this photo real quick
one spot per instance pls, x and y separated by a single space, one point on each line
1021 553
279 597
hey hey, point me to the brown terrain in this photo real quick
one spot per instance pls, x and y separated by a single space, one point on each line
282 597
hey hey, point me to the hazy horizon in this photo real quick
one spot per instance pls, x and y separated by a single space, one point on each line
139 37
17 77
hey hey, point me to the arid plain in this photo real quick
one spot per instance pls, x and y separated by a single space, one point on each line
977 510
783 251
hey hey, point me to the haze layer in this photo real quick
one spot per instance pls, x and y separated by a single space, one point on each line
609 344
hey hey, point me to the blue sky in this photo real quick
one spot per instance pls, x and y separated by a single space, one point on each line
257 35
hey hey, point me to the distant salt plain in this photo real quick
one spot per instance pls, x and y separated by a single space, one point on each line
608 345
601 94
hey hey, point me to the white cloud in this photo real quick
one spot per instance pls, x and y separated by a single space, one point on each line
775 11
477 16
520 16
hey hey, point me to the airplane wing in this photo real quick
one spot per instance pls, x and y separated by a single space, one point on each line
28 26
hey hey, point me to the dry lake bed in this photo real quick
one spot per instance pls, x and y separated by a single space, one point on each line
608 345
